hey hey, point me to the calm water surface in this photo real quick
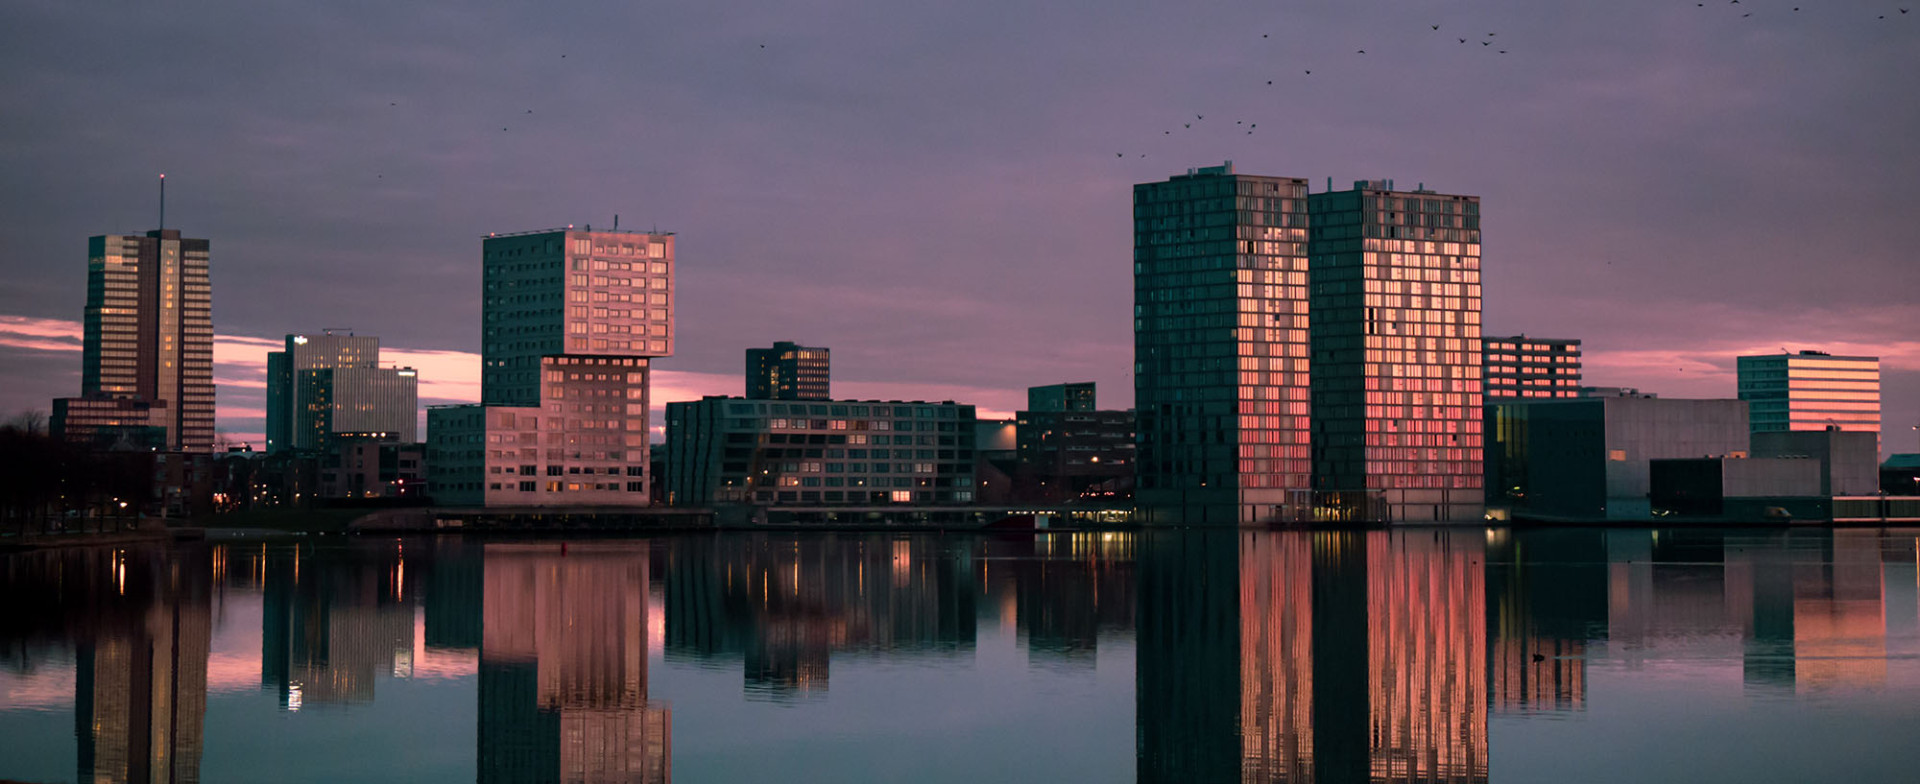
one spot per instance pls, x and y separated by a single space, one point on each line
1407 655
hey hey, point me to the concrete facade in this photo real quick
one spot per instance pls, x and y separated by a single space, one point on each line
1589 458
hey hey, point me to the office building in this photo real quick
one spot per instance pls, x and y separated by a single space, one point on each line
853 453
571 319
1061 397
1220 348
148 338
1396 378
341 401
304 352
788 372
1524 367
1811 390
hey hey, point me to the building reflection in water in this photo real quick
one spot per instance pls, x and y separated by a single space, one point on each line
334 620
1546 601
1331 656
563 666
140 623
784 605
1060 592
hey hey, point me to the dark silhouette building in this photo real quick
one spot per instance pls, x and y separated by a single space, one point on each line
789 371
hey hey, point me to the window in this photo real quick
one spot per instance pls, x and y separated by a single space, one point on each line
902 496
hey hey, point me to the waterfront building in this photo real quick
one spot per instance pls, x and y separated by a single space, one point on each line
1589 458
850 453
1068 450
584 445
148 338
571 319
1522 367
1396 378
1221 381
789 371
1811 390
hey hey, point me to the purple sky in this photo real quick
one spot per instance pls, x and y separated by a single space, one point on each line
932 190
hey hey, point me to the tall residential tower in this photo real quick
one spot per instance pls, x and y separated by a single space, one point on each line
1396 354
1220 347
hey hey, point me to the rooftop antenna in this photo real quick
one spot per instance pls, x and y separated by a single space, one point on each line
616 221
163 201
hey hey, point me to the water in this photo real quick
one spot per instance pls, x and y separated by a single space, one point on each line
1410 655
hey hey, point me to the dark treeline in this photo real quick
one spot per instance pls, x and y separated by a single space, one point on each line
47 485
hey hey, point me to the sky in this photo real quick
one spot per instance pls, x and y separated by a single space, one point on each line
940 191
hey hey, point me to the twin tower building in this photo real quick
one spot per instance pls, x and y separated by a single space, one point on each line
1305 356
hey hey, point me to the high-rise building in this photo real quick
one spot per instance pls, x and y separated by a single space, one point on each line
1811 390
1397 388
789 372
1061 397
571 319
149 336
1524 367
1221 381
307 352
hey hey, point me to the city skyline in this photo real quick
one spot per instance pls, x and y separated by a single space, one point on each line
1628 143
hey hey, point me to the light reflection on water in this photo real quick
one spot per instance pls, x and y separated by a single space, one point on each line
1405 655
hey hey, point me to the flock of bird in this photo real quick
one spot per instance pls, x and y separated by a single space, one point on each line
1486 42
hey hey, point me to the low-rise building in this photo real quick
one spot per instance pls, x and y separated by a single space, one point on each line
1589 458
373 465
856 453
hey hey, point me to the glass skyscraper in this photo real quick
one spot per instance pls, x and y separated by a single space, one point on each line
1220 347
1397 387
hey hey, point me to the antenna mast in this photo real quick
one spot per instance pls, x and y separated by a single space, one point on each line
163 201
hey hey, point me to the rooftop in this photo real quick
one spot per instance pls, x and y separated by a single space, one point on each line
584 227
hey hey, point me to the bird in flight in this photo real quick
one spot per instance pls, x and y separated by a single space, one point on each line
1486 43
1463 40
1309 73
1363 51
1184 125
1436 27
1199 117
